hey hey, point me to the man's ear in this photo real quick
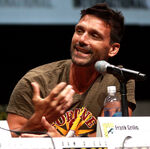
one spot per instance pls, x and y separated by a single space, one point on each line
114 49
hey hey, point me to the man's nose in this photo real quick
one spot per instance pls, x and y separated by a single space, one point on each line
84 39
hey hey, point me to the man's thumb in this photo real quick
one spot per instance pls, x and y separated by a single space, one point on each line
45 123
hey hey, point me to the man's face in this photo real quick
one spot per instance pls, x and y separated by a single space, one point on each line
91 41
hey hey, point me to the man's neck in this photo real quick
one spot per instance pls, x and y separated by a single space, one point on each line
81 78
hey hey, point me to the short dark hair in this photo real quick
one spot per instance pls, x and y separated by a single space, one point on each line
114 18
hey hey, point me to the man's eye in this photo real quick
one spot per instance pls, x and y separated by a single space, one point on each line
95 35
79 31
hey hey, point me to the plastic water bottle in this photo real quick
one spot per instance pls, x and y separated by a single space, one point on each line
112 105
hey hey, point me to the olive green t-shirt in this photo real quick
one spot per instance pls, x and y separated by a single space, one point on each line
89 103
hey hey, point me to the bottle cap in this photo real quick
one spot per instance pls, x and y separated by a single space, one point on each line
111 89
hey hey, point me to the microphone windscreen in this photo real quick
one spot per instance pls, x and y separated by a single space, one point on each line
101 66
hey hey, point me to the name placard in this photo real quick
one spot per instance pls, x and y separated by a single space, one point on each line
123 126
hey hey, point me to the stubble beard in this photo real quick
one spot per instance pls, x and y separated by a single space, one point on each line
83 62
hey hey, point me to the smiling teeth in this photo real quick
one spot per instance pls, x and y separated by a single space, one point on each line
83 51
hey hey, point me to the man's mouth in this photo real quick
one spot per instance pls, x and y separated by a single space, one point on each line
84 50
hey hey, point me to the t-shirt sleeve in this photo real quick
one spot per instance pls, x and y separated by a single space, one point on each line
131 94
21 99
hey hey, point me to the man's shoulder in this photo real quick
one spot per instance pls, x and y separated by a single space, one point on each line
49 68
52 66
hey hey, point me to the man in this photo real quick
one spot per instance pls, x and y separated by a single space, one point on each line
54 96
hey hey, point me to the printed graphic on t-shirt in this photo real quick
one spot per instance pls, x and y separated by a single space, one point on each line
81 121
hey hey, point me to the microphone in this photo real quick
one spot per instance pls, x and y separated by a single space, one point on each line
104 67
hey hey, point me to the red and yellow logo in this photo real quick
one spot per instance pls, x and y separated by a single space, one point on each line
76 120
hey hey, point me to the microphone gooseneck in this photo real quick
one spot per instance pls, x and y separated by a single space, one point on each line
104 67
